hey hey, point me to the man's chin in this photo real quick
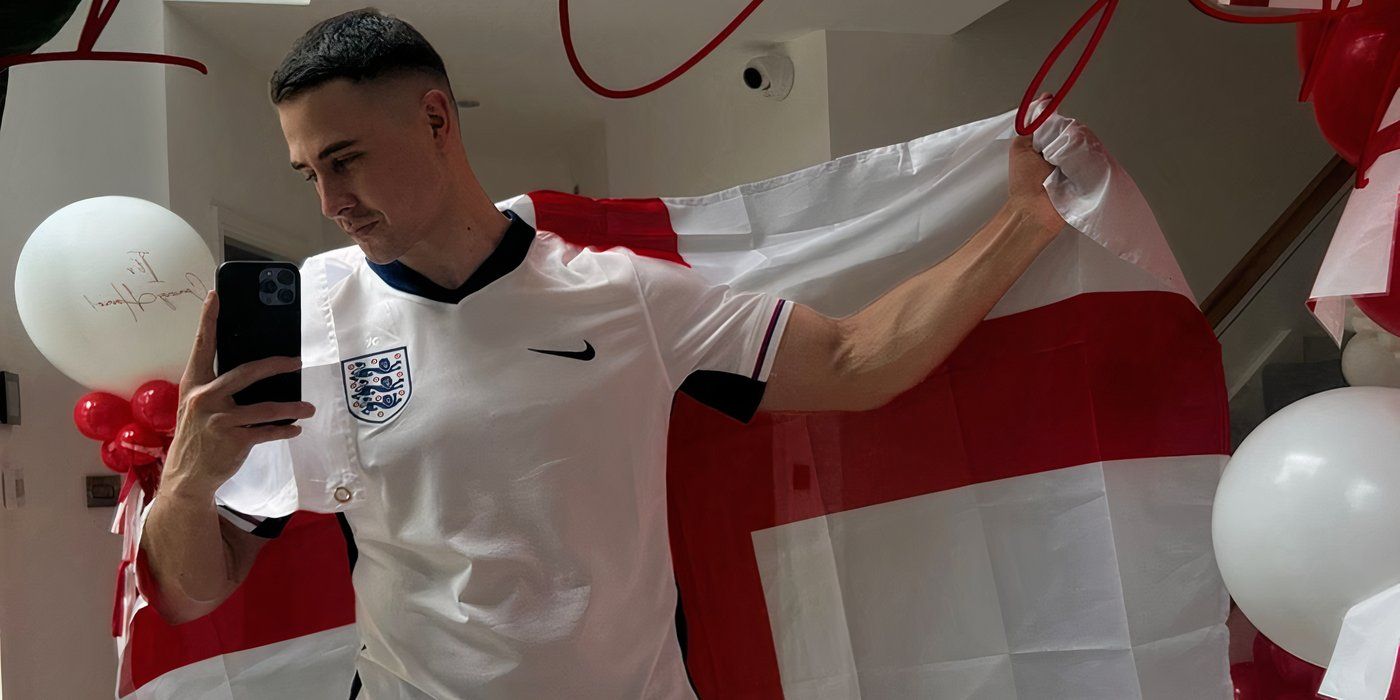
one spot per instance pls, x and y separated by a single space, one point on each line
376 254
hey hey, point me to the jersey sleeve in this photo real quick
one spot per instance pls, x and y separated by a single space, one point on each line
258 497
266 528
717 343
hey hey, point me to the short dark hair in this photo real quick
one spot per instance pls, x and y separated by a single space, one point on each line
361 45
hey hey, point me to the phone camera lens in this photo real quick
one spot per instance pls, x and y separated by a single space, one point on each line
284 276
285 296
268 286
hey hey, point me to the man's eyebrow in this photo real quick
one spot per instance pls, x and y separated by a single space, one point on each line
344 143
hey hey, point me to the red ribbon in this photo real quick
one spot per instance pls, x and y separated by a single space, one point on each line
98 17
1106 7
659 82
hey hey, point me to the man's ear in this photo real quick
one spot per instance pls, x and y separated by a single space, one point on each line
436 104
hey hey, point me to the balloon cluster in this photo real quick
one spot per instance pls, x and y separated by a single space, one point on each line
1350 76
1275 674
136 433
131 275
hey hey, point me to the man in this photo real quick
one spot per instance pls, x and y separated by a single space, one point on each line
513 541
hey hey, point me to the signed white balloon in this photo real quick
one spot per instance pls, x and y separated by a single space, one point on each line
109 290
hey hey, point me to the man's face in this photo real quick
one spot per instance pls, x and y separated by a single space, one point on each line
371 152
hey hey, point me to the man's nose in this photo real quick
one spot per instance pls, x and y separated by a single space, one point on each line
335 199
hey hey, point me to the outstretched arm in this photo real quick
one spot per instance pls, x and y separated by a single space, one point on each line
191 559
866 359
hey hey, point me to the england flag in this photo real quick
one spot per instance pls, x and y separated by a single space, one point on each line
1031 521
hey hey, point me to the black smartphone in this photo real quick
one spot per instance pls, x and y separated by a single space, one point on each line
259 316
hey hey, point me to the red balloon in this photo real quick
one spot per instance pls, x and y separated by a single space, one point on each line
1297 673
1384 309
148 476
116 457
140 435
1246 679
1263 649
99 415
1268 682
154 404
1351 75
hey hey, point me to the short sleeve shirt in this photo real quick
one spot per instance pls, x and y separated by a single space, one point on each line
511 440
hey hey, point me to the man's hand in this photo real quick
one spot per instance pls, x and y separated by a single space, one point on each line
864 360
194 559
212 437
1028 172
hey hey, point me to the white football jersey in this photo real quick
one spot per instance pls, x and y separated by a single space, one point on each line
506 473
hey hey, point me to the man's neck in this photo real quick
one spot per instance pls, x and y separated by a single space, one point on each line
457 245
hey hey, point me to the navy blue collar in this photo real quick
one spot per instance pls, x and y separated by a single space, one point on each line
507 256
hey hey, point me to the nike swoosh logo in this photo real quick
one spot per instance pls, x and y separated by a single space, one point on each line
585 354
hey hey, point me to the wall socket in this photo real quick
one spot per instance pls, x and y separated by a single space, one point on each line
102 491
12 491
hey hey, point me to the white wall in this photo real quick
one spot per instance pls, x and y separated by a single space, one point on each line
1202 113
706 131
71 130
508 164
226 146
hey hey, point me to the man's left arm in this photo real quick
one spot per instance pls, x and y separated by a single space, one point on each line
864 360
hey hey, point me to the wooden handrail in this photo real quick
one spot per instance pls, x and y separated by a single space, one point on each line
1252 267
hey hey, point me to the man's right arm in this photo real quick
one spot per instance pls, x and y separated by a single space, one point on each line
191 558
194 558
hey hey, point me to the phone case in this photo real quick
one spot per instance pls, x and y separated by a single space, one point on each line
259 317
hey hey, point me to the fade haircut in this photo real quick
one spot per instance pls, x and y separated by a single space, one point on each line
361 46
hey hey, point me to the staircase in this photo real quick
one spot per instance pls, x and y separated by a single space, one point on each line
1274 352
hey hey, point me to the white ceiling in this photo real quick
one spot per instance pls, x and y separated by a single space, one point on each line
508 55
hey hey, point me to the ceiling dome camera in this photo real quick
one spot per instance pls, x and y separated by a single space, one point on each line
770 74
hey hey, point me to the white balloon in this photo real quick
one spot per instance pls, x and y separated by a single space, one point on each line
1371 359
1307 516
110 290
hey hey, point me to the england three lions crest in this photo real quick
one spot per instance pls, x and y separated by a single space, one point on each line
377 385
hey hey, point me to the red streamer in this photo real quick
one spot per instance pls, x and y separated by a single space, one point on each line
98 17
1105 9
700 55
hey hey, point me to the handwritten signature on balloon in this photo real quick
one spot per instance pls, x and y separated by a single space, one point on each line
134 301
141 266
